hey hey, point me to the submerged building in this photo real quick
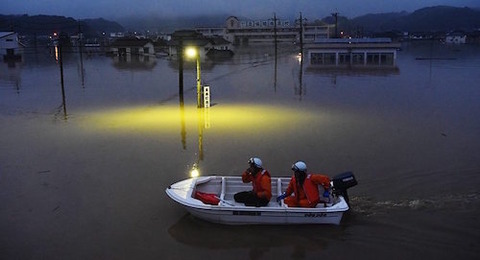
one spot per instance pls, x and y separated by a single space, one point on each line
10 47
251 32
358 52
132 46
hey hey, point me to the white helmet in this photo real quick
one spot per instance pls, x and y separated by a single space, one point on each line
255 162
299 166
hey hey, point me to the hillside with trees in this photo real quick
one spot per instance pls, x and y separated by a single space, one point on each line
47 24
429 19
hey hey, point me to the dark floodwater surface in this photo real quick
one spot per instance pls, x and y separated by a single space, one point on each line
90 184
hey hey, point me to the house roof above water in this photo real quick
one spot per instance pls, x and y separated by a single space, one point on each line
5 34
131 42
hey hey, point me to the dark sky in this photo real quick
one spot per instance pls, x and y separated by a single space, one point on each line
254 9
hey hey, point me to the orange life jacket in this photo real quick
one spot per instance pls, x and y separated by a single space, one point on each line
261 183
310 187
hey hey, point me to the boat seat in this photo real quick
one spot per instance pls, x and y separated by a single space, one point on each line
222 192
323 205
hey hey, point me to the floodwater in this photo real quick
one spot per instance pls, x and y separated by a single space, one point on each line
87 180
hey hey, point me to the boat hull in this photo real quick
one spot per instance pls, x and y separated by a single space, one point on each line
259 216
230 212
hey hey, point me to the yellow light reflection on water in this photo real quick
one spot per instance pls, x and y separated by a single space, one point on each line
253 121
220 118
56 53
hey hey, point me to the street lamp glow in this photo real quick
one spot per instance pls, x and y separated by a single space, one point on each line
299 58
191 52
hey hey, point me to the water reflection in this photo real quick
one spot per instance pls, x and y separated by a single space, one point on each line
366 70
59 58
183 131
387 130
203 122
81 69
13 63
298 239
299 89
190 65
164 119
11 74
334 72
57 52
183 134
134 62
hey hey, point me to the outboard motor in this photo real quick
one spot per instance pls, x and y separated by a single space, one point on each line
342 182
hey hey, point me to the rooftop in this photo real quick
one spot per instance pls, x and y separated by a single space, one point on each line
353 40
4 34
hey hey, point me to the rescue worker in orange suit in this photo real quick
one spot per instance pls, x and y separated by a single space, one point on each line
304 188
261 182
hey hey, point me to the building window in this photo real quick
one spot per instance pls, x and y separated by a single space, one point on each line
373 58
386 59
329 58
380 59
358 59
344 58
322 58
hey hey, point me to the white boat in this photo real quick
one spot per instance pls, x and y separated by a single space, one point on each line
226 211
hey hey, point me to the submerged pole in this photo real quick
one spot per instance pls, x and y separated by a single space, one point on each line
276 51
80 50
180 67
199 81
60 62
301 34
183 131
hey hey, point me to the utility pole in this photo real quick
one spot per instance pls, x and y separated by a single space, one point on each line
275 41
300 21
199 79
60 62
275 32
336 23
180 67
80 49
301 33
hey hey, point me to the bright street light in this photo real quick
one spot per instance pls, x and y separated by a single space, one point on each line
191 52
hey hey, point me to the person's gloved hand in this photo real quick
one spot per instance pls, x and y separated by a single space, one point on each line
326 194
281 197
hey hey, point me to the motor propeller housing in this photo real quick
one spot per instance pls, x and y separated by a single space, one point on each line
342 182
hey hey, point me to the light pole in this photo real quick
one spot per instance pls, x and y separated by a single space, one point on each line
193 52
